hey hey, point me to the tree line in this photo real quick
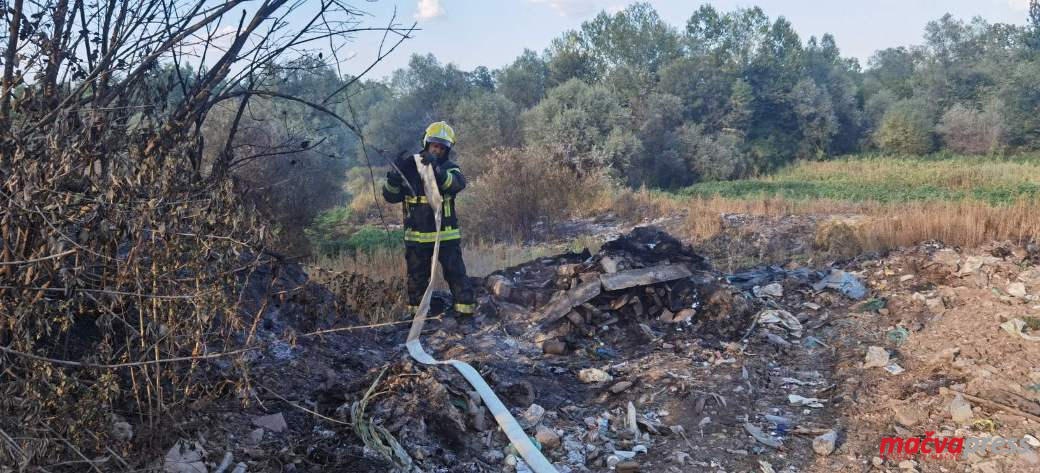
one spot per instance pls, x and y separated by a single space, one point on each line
726 95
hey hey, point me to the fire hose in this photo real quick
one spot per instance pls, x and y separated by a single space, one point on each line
521 442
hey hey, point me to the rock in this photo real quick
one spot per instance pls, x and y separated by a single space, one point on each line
666 316
907 465
877 461
185 457
906 277
973 264
987 467
627 467
609 265
771 290
884 311
575 451
255 437
549 439
594 375
1017 289
877 357
824 444
960 409
620 386
906 415
554 347
935 305
493 457
532 416
274 422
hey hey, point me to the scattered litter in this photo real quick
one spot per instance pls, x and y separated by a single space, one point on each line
898 335
1015 326
766 466
782 319
797 400
761 436
594 375
877 357
894 368
844 283
873 305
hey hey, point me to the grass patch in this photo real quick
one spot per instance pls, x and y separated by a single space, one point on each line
996 181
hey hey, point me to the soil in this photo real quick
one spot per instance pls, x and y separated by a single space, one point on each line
696 386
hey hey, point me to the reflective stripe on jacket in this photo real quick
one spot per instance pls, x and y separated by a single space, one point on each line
420 228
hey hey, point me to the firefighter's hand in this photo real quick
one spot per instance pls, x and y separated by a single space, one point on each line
428 158
394 178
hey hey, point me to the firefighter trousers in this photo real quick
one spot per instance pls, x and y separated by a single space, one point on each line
418 259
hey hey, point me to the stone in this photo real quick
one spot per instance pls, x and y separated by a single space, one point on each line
935 305
594 375
770 290
620 386
493 457
907 465
877 357
274 422
960 409
1017 289
824 444
609 265
906 415
666 316
185 457
532 416
987 467
877 461
554 347
549 439
906 277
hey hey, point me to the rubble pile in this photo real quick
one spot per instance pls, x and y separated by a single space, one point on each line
643 281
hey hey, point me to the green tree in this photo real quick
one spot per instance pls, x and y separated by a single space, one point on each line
573 124
906 128
524 81
483 122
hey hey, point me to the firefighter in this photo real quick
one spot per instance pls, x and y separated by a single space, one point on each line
420 230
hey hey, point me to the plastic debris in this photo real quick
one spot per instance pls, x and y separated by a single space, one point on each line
898 335
1015 326
797 400
844 283
762 437
782 319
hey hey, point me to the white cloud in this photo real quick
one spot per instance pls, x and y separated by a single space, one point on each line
1022 5
428 10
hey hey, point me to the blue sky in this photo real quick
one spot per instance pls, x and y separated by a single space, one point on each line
471 33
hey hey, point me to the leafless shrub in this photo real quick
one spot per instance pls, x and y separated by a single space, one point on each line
122 251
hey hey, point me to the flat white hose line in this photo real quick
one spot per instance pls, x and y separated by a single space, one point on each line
521 442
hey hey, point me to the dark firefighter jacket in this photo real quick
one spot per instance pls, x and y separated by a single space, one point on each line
420 228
